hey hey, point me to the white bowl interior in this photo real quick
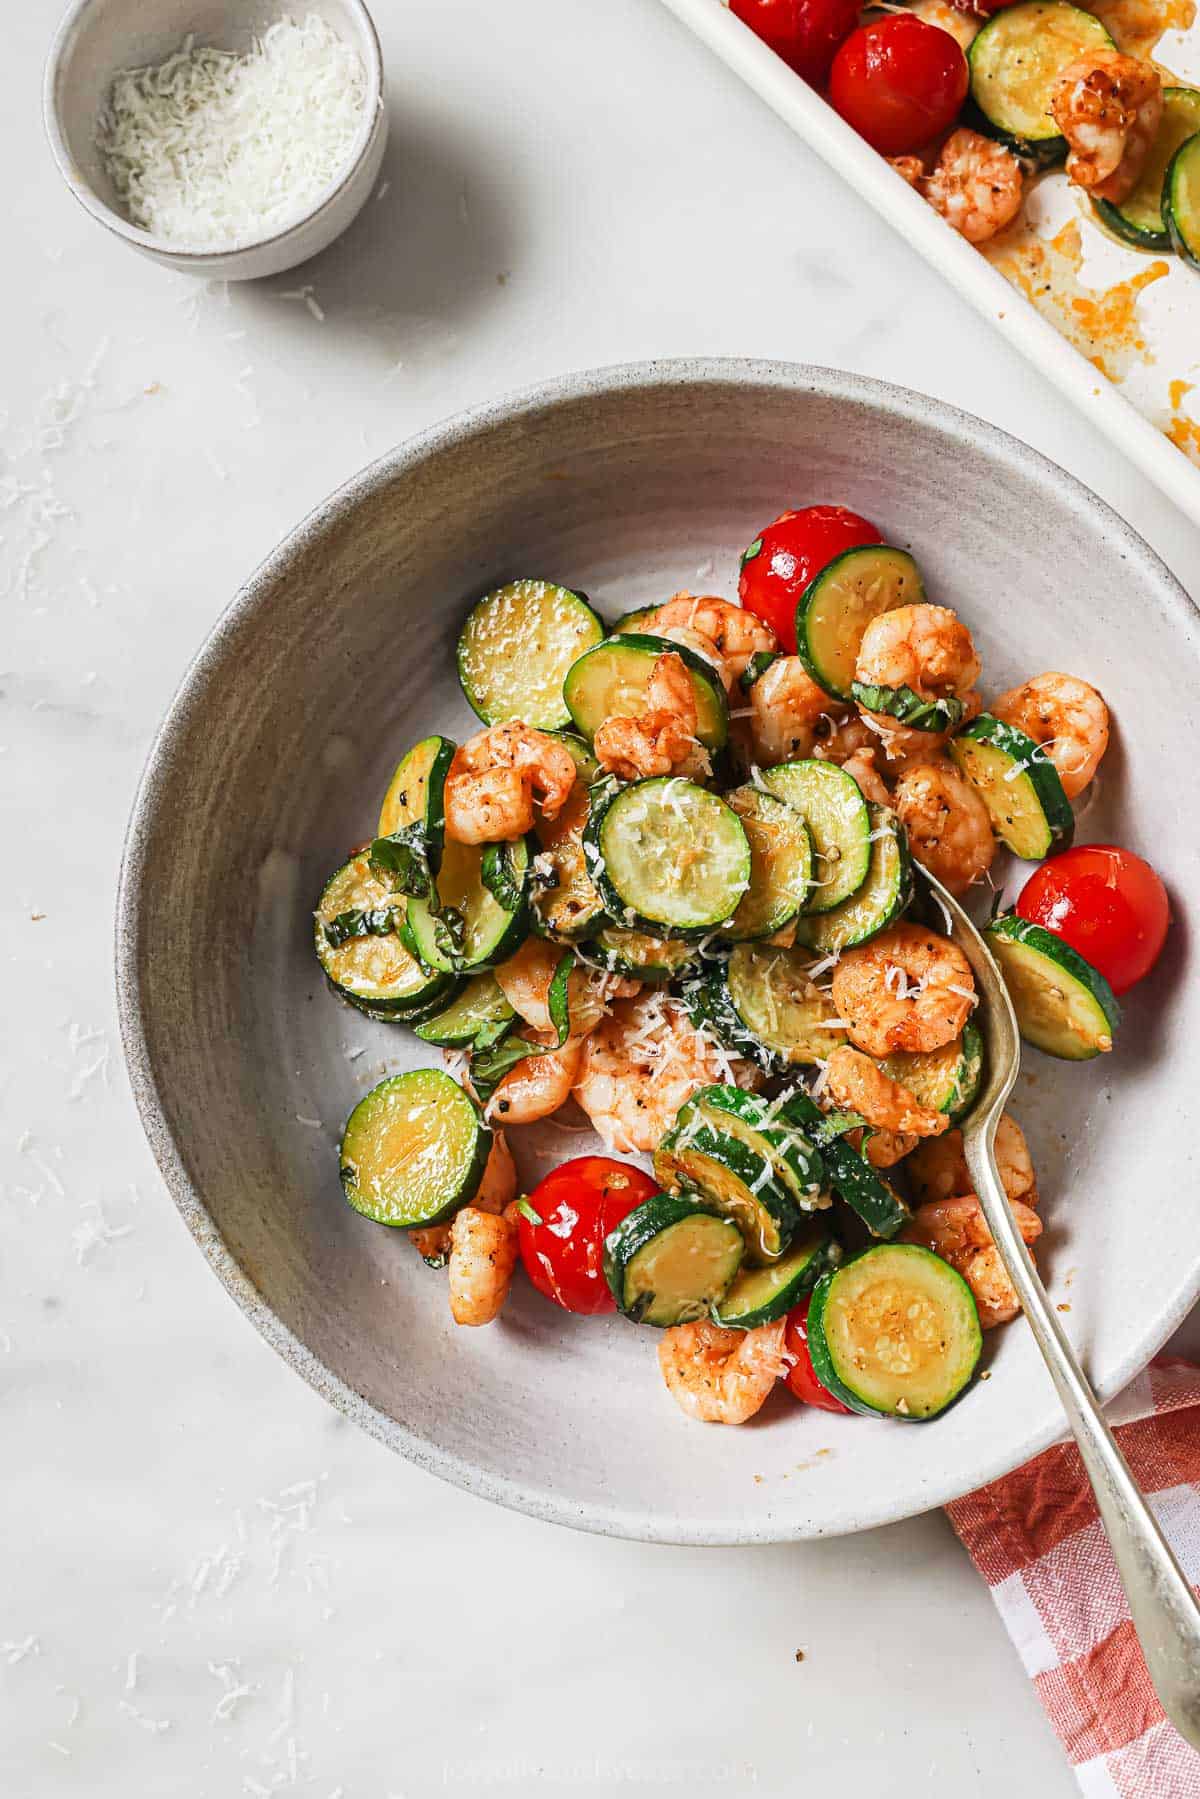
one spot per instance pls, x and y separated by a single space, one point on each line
340 654
102 37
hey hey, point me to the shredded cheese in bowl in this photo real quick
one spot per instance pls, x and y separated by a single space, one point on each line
216 150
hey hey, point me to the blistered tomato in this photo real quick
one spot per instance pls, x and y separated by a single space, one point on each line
563 1223
801 1376
1106 903
804 32
900 82
783 559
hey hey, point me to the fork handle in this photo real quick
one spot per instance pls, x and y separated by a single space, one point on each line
1162 1605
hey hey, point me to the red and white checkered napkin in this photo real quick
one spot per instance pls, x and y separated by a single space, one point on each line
1036 1539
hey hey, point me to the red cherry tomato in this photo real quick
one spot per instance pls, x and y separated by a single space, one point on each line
804 32
782 561
1106 903
900 82
801 1376
578 1203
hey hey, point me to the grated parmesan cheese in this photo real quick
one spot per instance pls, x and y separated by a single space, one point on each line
213 150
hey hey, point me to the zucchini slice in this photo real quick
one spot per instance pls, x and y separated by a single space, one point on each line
357 935
781 864
414 795
765 1004
1064 1006
1140 219
1181 202
839 603
795 1159
668 857
611 680
634 621
734 1180
478 1017
831 804
884 895
895 1333
908 707
414 1150
671 1259
472 929
641 956
761 1295
516 647
1017 783
850 1174
944 1080
1015 61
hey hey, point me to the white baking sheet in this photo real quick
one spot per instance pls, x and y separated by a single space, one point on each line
1150 330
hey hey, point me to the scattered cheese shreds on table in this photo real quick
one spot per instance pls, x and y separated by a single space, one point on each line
212 149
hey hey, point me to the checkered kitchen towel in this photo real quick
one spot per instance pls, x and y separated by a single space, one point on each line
1036 1539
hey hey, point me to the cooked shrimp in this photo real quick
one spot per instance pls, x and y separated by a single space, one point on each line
526 978
786 706
1066 717
483 1254
732 635
939 1170
909 168
661 740
927 648
1108 107
884 1148
538 1085
496 1190
956 1230
721 1376
976 185
861 765
837 739
495 778
641 1064
949 830
906 989
860 1085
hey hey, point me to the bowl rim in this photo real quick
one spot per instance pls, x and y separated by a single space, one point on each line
202 256
532 1498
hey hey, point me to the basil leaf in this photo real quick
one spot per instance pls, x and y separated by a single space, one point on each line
377 921
404 859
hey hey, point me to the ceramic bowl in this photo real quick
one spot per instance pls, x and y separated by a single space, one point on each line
100 37
339 653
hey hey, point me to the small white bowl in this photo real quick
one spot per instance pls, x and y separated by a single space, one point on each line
98 38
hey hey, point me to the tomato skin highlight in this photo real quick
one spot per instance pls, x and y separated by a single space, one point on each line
1106 903
900 82
788 554
578 1203
805 33
801 1377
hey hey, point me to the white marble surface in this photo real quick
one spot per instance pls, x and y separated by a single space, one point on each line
209 1585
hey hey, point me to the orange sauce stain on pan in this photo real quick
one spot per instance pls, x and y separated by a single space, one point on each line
1101 323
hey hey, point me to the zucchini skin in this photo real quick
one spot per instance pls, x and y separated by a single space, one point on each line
712 735
767 1201
796 1274
850 1174
820 664
1180 122
1037 769
796 1159
989 45
398 810
1184 232
532 595
841 929
470 1173
607 798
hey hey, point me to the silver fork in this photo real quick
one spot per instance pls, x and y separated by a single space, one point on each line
1164 1610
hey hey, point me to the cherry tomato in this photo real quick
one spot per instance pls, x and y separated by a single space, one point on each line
1106 903
900 82
804 32
801 1376
578 1203
782 561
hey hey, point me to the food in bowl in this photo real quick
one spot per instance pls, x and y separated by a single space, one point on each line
671 882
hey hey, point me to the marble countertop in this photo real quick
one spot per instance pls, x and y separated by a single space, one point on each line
210 1585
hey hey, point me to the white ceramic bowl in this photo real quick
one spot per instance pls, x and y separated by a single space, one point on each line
339 653
98 38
